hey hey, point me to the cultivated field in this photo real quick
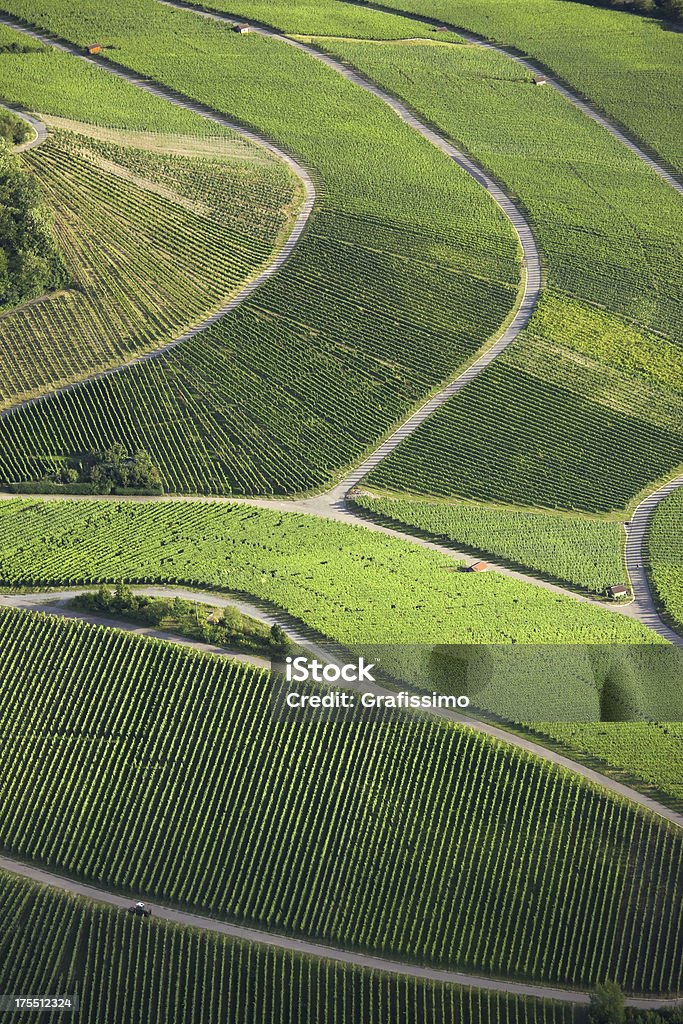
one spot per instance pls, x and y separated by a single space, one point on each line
158 972
665 557
289 837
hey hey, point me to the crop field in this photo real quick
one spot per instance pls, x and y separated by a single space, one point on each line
350 584
406 269
586 553
665 556
276 822
651 752
629 66
153 242
541 426
158 972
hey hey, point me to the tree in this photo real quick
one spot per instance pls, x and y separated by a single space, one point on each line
607 1005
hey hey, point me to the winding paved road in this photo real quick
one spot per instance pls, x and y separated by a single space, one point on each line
319 949
637 560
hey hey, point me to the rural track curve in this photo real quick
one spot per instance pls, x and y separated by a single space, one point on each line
33 122
158 89
317 949
316 644
637 559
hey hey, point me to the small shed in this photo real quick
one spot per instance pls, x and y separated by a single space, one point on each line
94 48
540 79
618 590
442 28
241 29
478 567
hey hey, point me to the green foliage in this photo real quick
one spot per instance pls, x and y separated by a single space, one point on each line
586 553
406 269
630 67
226 627
30 261
607 1005
155 238
665 556
294 825
648 751
158 972
13 130
351 584
672 9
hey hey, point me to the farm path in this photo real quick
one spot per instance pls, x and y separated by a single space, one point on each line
334 503
33 122
318 949
303 636
586 108
211 115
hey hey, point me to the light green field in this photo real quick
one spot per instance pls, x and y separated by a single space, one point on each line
665 557
201 796
599 369
586 553
158 972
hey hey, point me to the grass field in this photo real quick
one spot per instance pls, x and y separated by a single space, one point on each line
600 368
154 241
157 972
586 553
295 826
665 557
325 358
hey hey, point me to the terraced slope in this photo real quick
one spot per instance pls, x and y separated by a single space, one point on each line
158 972
276 823
599 369
154 241
321 361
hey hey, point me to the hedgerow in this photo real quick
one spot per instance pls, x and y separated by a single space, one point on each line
53 942
170 776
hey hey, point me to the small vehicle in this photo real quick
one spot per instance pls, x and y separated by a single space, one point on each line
140 909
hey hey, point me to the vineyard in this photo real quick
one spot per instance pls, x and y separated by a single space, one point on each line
665 557
651 752
154 243
350 584
626 65
599 369
168 776
586 553
406 269
158 972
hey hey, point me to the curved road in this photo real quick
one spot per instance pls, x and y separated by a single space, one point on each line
210 115
319 949
637 560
